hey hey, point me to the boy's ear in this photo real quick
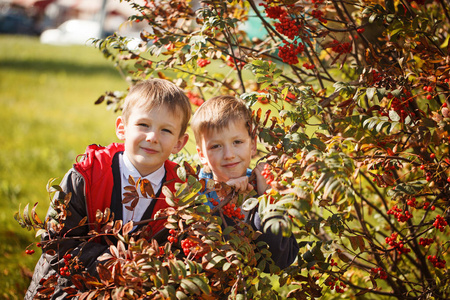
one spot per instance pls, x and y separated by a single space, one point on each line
202 156
254 146
180 143
120 128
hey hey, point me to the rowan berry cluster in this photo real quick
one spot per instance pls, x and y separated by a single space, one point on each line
64 271
316 13
231 63
189 245
29 251
440 223
267 174
333 283
288 52
201 62
428 89
308 66
232 211
437 262
333 263
426 204
287 27
411 202
379 272
194 98
274 12
398 246
426 242
399 214
172 238
376 77
341 48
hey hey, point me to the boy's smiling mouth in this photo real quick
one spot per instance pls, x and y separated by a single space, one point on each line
149 150
230 165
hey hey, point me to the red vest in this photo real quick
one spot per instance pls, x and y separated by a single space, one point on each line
95 167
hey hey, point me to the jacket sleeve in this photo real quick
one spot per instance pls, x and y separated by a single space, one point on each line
284 249
88 251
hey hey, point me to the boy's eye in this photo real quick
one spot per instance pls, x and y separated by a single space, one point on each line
238 142
167 130
142 125
214 146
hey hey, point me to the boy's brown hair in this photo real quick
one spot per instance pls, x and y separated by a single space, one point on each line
217 113
156 93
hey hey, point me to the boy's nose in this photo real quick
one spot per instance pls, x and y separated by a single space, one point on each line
152 137
228 152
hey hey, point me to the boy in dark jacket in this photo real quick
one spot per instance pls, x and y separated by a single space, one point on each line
225 146
152 126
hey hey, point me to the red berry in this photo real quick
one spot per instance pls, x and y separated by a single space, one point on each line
432 155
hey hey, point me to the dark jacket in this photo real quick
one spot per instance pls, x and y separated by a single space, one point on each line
95 183
284 249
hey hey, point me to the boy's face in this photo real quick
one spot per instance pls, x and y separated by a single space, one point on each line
227 151
150 137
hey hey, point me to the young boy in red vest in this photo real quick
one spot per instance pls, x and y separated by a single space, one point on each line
226 146
152 126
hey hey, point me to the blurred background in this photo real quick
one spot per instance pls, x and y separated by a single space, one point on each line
50 78
96 18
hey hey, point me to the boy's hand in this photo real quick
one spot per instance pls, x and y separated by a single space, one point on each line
240 184
261 184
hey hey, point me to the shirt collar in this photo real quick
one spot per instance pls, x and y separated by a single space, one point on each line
128 169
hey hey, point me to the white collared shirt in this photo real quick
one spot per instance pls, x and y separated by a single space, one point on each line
155 178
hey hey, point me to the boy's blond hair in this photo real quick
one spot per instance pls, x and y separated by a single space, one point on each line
217 113
157 93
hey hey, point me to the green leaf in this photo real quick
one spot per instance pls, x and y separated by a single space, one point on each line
228 230
180 295
372 18
190 286
226 266
250 203
40 232
181 268
170 291
181 173
214 261
445 43
370 92
202 283
173 269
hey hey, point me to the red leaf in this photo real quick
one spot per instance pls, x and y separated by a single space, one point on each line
147 189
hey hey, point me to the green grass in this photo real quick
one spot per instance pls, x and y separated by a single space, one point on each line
47 96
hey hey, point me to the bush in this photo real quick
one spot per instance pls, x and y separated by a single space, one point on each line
351 102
